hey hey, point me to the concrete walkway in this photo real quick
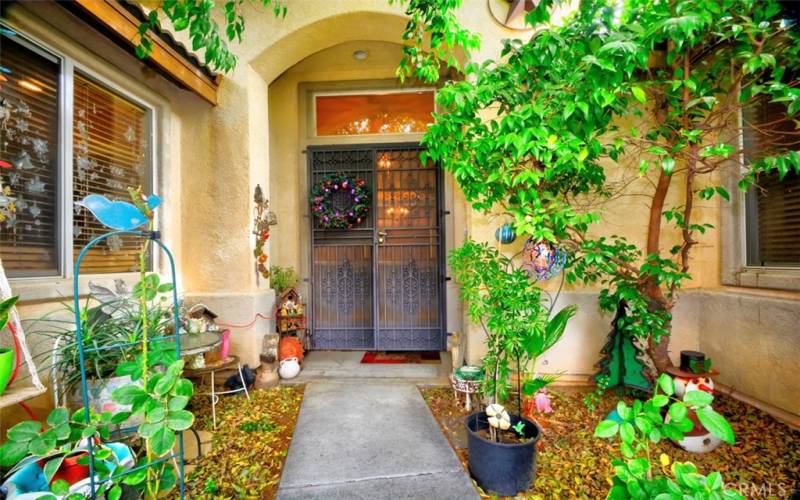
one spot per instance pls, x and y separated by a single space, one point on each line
370 439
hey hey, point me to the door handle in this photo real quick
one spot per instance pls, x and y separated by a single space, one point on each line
382 237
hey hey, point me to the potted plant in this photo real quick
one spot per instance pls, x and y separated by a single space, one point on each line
516 315
282 278
53 459
6 354
112 326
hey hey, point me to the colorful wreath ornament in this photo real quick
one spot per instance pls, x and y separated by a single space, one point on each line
339 201
543 259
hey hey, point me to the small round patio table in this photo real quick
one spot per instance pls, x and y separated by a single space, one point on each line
194 344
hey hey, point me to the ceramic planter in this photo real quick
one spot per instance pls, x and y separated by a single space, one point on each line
100 391
6 367
502 468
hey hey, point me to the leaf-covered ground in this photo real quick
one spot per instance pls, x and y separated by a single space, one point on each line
571 463
249 445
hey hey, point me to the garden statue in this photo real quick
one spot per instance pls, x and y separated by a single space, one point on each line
542 401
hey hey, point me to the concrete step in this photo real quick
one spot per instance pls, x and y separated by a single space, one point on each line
347 365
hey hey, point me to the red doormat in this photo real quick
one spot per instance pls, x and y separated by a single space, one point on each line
396 358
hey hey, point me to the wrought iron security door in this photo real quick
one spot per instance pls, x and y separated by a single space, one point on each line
379 285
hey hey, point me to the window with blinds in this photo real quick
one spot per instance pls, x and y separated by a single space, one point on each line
773 207
110 137
29 118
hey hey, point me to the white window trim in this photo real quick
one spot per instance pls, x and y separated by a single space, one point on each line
735 270
60 285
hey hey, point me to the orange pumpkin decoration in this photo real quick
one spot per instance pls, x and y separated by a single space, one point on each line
290 347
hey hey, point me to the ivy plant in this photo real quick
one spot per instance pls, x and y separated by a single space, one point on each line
663 417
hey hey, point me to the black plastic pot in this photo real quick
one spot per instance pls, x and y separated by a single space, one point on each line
502 468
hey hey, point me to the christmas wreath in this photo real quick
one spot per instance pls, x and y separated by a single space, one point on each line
339 201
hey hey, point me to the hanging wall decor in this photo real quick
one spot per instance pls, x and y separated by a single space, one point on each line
264 218
339 201
542 259
505 234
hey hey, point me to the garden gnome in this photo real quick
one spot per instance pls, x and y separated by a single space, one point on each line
267 374
542 402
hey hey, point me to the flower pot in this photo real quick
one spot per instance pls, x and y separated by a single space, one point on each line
501 468
70 471
6 367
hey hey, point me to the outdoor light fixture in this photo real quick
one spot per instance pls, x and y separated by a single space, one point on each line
360 55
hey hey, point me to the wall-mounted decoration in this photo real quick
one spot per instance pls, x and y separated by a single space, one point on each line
264 218
542 259
339 201
505 234
511 13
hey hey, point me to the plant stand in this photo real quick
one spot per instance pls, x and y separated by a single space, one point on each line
231 362
466 387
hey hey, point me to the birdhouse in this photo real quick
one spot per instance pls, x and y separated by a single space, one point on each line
290 311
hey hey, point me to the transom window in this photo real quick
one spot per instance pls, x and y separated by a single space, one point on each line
49 163
374 113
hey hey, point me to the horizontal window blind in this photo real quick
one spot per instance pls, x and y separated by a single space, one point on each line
111 154
773 214
29 117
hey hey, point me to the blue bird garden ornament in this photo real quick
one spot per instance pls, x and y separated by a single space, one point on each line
119 215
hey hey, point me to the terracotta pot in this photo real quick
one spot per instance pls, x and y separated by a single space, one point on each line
70 471
6 367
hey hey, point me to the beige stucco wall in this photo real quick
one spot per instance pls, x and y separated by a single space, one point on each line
211 158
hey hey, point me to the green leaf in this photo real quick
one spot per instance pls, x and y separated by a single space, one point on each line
606 429
156 415
180 420
627 432
126 394
184 387
678 411
668 164
162 441
24 431
698 398
120 417
43 444
57 417
60 487
639 94
12 452
177 403
115 493
715 424
660 400
666 384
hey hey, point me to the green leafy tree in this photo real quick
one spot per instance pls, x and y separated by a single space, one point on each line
652 90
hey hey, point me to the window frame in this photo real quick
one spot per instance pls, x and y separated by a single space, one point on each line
65 164
370 91
737 232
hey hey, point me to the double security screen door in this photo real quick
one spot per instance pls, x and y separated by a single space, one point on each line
379 284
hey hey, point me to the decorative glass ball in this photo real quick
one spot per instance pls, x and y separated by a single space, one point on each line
505 234
542 259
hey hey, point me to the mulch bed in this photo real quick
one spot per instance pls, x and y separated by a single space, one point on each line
571 463
249 445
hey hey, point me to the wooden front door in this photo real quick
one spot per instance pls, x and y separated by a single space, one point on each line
379 285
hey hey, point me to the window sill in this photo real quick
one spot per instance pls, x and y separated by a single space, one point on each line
767 277
59 289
